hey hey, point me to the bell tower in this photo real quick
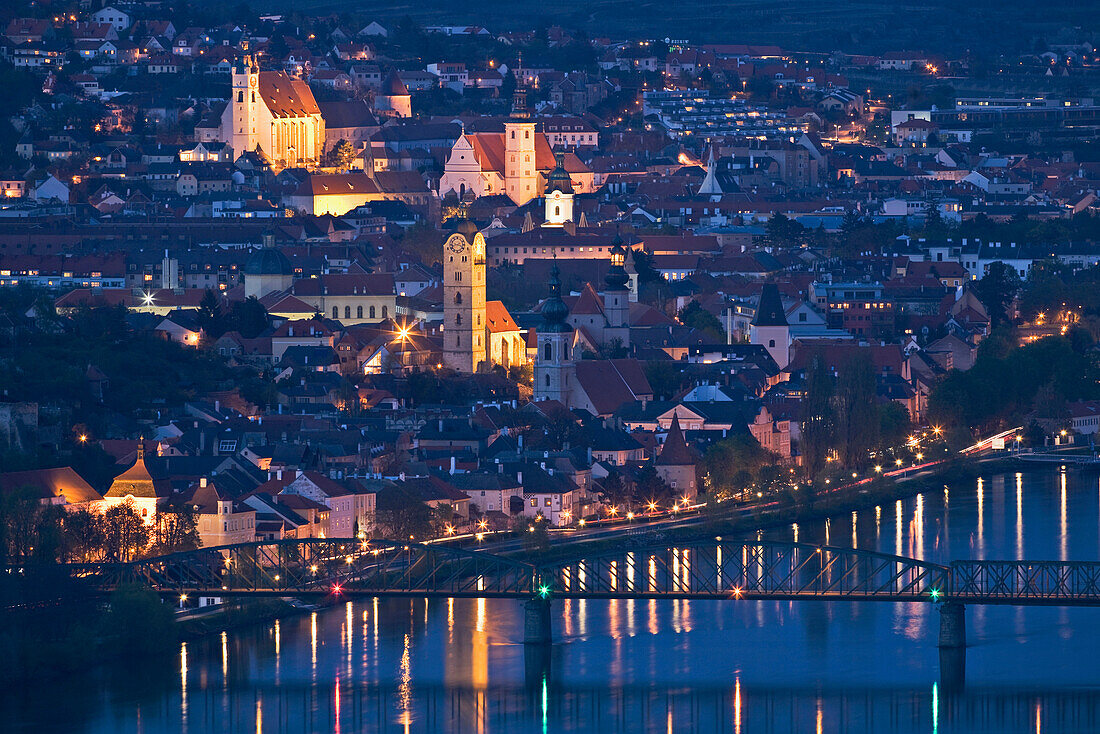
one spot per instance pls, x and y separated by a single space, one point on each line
559 194
464 332
520 170
555 370
246 90
616 297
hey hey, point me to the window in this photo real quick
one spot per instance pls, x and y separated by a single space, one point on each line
384 314
227 445
534 502
458 319
771 342
347 312
458 299
372 312
546 503
358 312
335 312
548 379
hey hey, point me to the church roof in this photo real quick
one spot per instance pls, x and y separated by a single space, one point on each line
50 483
498 318
769 312
135 481
394 87
286 96
489 150
588 303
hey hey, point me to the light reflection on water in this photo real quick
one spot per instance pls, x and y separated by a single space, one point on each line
418 665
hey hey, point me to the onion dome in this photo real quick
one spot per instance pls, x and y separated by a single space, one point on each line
554 310
558 178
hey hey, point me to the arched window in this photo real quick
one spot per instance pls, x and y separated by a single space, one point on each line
335 312
548 379
384 314
557 211
771 342
358 312
347 312
240 97
458 298
458 319
547 352
253 96
372 312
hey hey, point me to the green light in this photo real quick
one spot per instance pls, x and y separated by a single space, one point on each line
935 594
544 591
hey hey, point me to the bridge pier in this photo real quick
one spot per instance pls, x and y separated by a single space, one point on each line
953 669
536 622
952 625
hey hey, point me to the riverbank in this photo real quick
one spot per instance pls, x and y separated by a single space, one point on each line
743 521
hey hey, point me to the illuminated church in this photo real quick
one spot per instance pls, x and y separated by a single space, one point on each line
516 162
477 334
274 112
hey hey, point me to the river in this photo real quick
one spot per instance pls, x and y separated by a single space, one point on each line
457 666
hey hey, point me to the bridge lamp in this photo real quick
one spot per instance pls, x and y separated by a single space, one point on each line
347 560
544 592
737 591
336 589
183 598
313 569
853 475
935 594
630 516
276 577
83 438
878 469
652 506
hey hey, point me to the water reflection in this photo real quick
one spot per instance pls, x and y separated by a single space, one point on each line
651 666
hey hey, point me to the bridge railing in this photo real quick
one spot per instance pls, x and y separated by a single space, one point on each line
748 570
1032 581
319 564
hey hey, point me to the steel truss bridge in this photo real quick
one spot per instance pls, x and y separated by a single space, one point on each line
706 569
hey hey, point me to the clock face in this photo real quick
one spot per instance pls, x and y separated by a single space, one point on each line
457 245
252 81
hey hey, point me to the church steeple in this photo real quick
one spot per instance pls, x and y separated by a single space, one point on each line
559 193
555 370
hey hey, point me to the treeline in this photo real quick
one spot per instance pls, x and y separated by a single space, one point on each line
1008 383
35 534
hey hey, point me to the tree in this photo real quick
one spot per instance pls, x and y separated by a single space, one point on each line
210 315
818 416
175 529
126 534
996 290
855 412
697 317
85 536
341 155
248 317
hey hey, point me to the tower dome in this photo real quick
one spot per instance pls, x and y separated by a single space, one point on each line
558 178
554 310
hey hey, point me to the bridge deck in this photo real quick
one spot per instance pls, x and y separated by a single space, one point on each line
712 569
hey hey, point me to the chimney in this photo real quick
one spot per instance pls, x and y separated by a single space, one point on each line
452 464
202 481
500 468
590 456
279 474
217 405
519 478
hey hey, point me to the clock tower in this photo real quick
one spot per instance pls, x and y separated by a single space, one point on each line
464 332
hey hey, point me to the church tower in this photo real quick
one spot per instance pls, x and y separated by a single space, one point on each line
520 171
769 326
555 371
616 298
559 194
464 331
245 103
